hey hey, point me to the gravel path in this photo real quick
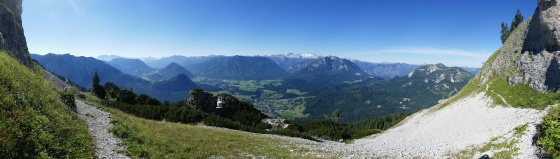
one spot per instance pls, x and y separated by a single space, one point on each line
431 133
106 144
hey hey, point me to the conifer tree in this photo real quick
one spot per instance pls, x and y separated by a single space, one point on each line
336 114
97 89
518 19
504 32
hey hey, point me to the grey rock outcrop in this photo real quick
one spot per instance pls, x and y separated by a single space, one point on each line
531 53
12 37
200 100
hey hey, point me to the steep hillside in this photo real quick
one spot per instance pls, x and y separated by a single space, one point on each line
385 70
174 69
133 67
239 68
35 123
421 89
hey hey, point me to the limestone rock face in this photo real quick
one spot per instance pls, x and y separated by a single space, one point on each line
531 53
12 37
544 29
542 44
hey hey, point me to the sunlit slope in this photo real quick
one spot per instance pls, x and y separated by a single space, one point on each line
34 122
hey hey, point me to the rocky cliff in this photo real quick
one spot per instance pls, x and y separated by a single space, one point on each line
12 38
530 55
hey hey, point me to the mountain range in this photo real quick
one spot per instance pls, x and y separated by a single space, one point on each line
329 70
288 61
386 70
181 60
326 78
81 70
239 68
291 62
507 110
133 67
420 89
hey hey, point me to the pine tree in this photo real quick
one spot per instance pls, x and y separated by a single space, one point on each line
336 114
504 32
516 20
95 81
97 89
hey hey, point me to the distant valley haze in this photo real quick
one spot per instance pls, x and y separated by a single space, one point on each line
455 33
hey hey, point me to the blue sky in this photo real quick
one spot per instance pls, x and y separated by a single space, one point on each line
456 33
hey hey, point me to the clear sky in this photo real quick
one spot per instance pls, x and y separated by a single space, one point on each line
456 33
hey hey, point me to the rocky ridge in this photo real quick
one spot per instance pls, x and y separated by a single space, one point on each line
12 37
534 45
330 65
439 73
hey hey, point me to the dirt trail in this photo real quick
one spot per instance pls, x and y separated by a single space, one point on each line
106 145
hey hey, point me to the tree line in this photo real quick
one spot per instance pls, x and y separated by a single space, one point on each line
238 115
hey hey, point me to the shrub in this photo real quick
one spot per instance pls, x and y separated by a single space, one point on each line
69 100
550 133
214 120
81 96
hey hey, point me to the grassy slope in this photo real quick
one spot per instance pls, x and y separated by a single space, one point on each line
34 122
160 139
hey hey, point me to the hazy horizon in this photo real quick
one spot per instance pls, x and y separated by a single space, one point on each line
455 33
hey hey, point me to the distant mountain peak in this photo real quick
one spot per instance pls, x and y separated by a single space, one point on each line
439 72
108 57
240 68
173 64
336 64
333 68
302 55
173 69
133 67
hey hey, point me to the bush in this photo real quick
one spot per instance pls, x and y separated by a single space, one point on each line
81 96
69 100
550 133
218 121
